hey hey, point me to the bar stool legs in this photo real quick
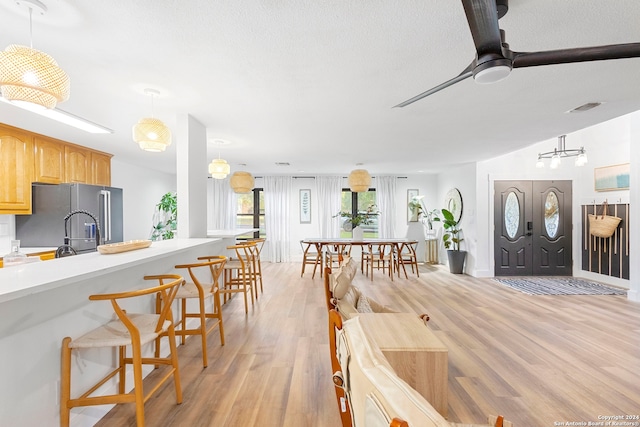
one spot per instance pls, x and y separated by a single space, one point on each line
136 330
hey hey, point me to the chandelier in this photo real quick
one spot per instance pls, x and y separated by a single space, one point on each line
561 152
30 76
150 133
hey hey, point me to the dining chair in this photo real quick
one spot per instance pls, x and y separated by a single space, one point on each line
128 329
334 254
310 256
379 256
406 254
197 290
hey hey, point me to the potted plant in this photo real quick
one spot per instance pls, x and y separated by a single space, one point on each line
165 218
353 222
452 239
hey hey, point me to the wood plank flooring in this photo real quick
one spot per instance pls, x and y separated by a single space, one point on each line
538 360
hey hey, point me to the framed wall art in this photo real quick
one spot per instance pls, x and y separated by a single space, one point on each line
610 178
305 206
411 194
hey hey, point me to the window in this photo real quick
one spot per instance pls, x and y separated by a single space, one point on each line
358 202
247 216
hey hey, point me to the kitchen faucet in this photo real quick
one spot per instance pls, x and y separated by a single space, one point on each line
66 249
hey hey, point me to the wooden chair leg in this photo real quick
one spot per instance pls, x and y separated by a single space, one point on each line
218 310
65 382
183 320
137 380
203 331
122 372
174 363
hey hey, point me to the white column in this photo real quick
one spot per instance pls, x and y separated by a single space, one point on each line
191 179
634 211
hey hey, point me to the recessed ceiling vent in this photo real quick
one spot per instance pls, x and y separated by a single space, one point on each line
585 107
282 164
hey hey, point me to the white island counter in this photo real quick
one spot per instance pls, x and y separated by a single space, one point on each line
41 303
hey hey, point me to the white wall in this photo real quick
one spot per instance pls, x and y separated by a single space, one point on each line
462 178
142 190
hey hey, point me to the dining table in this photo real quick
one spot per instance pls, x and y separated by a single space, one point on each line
339 245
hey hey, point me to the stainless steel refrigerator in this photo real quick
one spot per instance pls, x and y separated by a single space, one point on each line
45 227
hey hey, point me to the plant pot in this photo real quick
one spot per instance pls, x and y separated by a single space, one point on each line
358 234
456 261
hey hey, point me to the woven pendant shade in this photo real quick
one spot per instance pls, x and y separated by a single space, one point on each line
219 169
359 180
152 135
242 182
28 75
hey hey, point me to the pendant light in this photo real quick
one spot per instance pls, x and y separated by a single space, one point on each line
242 182
359 180
219 168
30 76
150 133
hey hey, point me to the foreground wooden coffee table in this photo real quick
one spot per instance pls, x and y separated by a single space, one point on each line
413 351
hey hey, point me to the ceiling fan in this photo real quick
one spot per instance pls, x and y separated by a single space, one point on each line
494 59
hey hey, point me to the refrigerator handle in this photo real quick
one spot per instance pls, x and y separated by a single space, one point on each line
107 214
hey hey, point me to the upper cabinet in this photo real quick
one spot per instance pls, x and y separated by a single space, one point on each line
49 161
100 169
77 161
16 170
27 157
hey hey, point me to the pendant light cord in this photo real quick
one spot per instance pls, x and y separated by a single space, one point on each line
30 29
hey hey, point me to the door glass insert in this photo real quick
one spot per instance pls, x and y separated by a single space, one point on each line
512 214
551 214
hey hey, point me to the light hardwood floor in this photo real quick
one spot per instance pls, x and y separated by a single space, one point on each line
537 360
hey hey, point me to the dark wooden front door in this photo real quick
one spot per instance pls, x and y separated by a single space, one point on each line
532 228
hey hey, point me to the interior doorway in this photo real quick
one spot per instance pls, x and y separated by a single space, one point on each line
533 228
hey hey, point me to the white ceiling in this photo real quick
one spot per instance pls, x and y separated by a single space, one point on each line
313 82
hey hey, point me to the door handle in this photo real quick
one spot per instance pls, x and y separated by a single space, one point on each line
529 234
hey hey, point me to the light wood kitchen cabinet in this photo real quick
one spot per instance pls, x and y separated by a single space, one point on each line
16 170
100 169
77 164
49 161
27 157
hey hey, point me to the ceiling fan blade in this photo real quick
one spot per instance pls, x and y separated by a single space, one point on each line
581 54
463 75
482 16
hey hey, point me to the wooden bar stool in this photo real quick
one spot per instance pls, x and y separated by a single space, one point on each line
136 330
201 291
237 274
255 267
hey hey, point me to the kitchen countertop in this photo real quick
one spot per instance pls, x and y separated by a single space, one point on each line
33 278
231 232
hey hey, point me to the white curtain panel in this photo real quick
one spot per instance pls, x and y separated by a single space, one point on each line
277 193
329 190
386 200
221 206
